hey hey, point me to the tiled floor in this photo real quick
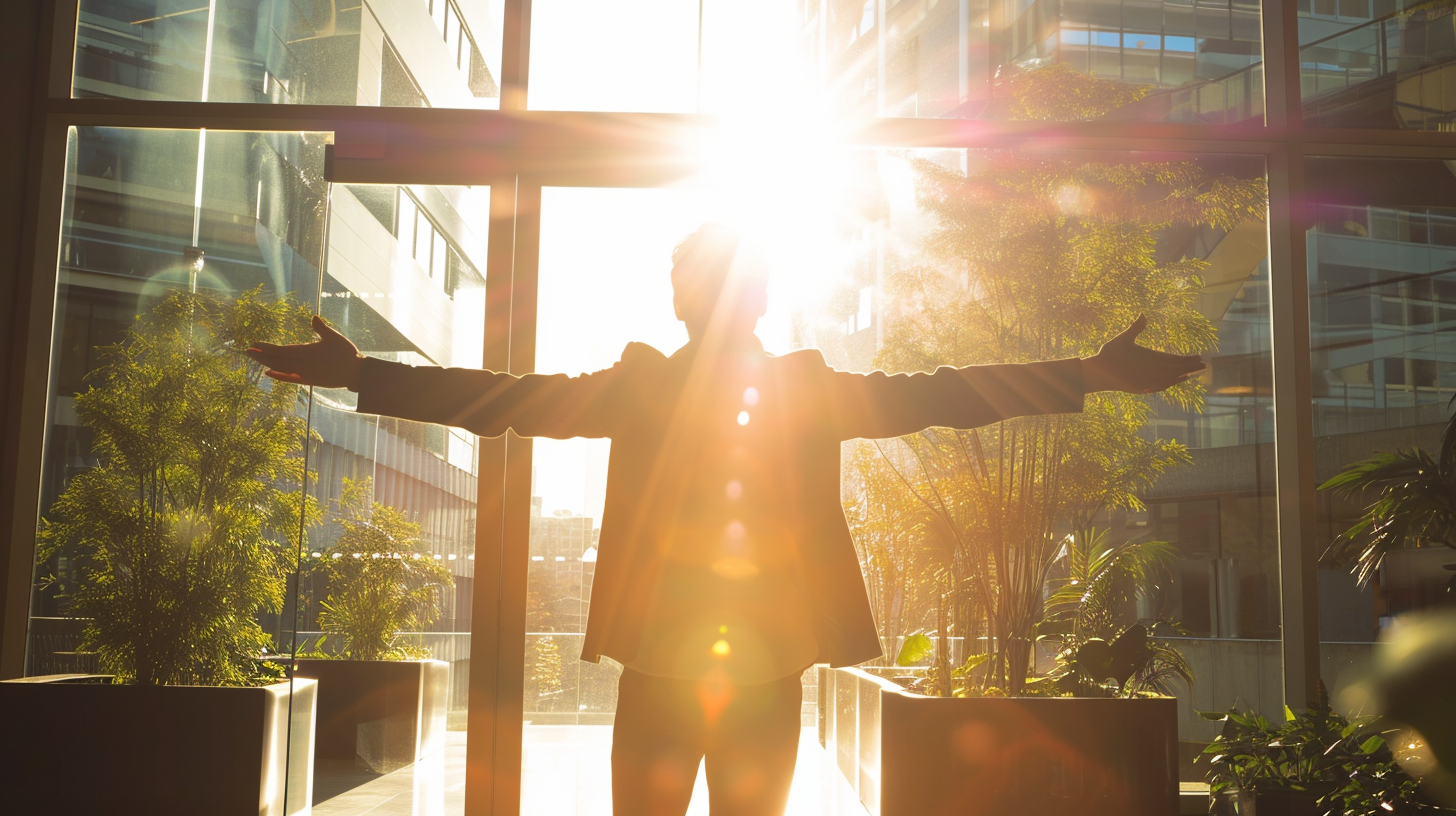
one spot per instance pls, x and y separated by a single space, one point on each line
564 773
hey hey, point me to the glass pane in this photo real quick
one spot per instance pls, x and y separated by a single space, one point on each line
393 52
173 470
273 519
388 577
1009 60
954 265
640 55
868 253
605 259
1382 298
603 277
1110 59
1377 64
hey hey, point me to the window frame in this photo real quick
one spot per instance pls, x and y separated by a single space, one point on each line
523 151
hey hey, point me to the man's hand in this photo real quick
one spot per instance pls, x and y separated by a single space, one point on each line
329 362
1123 365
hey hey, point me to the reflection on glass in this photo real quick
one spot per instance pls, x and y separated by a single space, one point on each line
1382 295
388 576
1376 63
1161 61
173 471
440 53
892 260
953 268
225 236
1164 61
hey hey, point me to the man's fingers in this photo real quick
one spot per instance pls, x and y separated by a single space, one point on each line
1130 333
272 352
284 376
324 330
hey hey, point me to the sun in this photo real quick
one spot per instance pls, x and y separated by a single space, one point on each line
791 192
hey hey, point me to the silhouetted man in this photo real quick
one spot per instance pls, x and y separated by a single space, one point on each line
725 566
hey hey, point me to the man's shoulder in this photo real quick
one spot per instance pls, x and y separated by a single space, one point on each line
803 358
636 352
640 358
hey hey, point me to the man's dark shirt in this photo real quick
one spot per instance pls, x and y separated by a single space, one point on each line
723 538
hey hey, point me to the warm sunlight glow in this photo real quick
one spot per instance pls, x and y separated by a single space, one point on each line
788 192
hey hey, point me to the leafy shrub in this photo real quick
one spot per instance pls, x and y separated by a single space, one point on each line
381 579
187 527
1347 765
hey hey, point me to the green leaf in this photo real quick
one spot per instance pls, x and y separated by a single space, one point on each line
1372 745
916 648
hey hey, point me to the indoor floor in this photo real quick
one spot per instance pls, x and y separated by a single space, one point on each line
564 773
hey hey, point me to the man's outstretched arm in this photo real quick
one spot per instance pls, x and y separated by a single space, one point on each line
487 403
879 405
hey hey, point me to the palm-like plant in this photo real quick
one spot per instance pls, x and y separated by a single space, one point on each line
1087 604
1414 505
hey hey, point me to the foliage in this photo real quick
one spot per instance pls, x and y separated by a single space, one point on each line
1414 505
188 525
1083 611
1132 664
1100 578
381 578
1057 92
885 523
1036 257
546 673
1347 764
916 648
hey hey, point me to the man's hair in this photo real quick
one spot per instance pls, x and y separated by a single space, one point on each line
703 262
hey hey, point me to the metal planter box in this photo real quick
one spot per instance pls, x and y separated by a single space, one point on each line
73 748
910 754
378 715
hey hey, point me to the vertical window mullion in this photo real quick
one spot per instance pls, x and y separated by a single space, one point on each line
1293 427
1289 319
489 761
515 54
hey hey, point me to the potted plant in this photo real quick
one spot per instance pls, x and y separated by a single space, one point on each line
1414 505
382 703
1092 736
1315 763
173 544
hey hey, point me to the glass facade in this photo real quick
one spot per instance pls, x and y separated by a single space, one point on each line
1156 61
394 53
181 243
1382 359
246 225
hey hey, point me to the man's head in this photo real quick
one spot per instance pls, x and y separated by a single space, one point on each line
717 282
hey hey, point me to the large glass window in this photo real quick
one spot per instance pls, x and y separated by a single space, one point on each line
389 572
1376 64
1384 369
204 525
941 272
178 247
1153 61
413 53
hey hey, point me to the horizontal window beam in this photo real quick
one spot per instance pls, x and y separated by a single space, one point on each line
449 146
